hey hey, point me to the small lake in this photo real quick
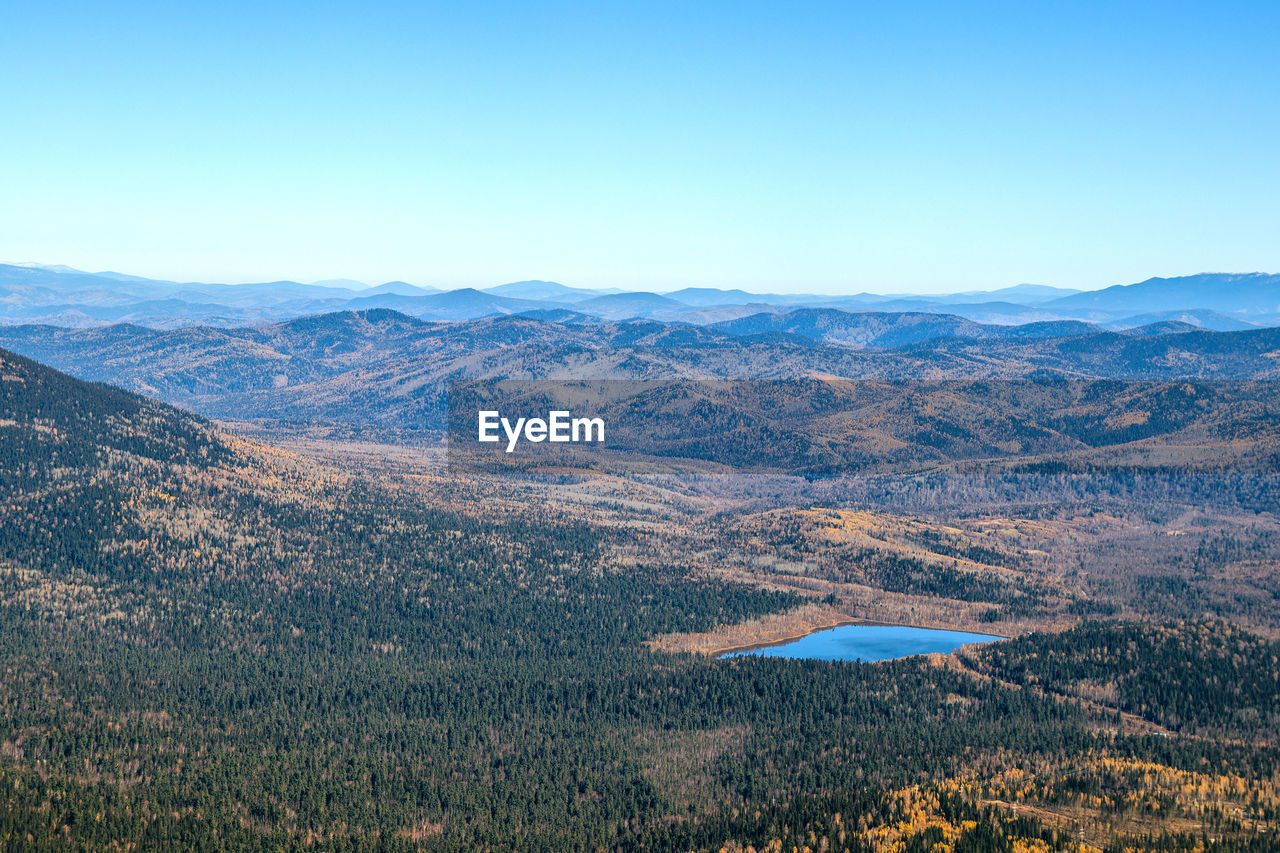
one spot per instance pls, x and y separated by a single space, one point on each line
869 643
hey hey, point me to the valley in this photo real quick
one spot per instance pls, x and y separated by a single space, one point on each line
303 626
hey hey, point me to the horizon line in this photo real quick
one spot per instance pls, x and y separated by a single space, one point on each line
343 283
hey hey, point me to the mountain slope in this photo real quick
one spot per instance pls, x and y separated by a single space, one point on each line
48 414
88 474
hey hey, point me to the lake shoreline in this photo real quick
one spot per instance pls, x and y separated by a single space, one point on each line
721 654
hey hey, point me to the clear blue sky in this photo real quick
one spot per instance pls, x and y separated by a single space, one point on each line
833 147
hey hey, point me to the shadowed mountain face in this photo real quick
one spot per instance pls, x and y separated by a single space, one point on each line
52 418
383 369
65 297
81 464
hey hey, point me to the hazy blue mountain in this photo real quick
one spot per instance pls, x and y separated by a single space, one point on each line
1196 318
342 283
559 315
1241 294
52 294
542 290
62 279
66 270
999 313
125 286
62 295
266 292
620 306
710 297
1023 294
712 313
400 288
58 268
119 276
1039 330
450 306
468 298
702 297
1164 327
919 303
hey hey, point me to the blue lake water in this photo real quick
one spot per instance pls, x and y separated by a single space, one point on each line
870 643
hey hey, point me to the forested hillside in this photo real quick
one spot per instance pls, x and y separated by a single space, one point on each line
213 644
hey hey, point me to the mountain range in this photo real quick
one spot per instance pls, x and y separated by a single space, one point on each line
383 370
61 296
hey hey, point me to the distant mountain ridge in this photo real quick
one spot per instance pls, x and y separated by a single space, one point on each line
544 290
64 296
1230 293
